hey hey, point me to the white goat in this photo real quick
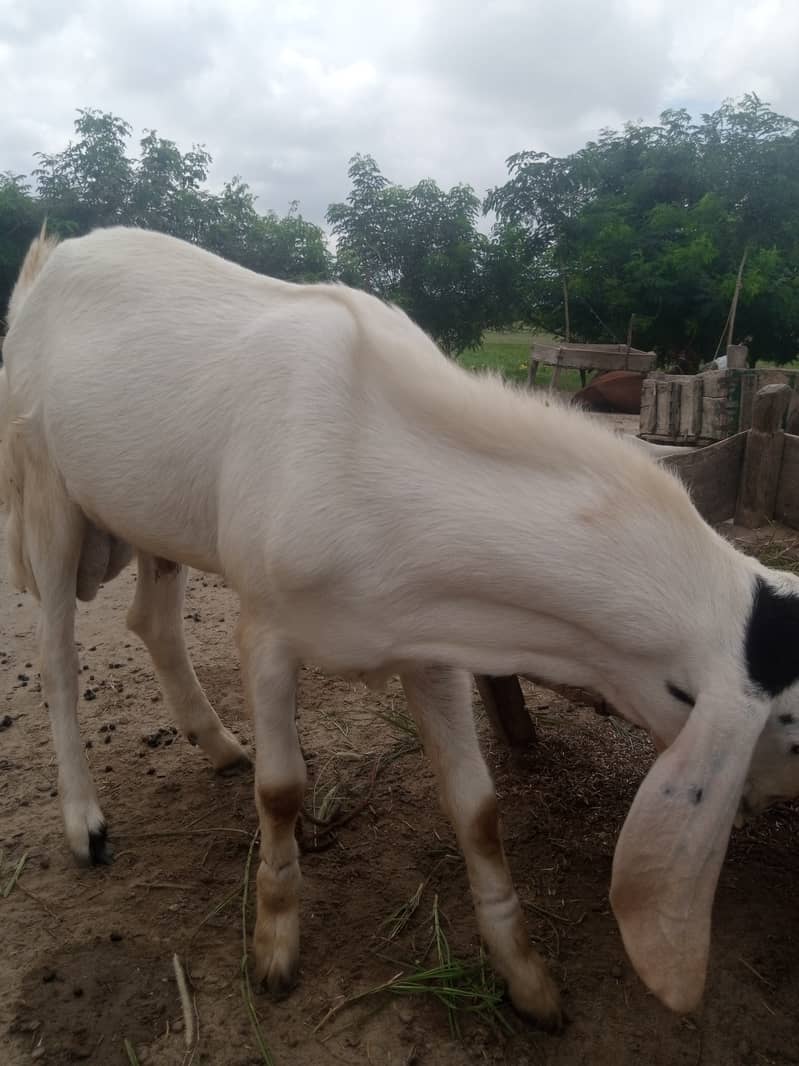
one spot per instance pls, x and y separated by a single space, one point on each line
378 509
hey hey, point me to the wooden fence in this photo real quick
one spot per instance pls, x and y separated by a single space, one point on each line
703 408
752 478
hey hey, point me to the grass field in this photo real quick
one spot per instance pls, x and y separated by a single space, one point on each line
509 353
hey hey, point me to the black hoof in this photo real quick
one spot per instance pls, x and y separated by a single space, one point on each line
100 853
235 769
554 1024
282 987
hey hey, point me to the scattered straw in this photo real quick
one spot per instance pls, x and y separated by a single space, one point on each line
133 1058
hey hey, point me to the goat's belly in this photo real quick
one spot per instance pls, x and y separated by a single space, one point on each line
167 524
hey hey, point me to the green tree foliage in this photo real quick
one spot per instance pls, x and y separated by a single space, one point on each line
654 221
418 247
20 220
94 182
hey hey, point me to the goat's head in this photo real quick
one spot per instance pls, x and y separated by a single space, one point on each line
736 752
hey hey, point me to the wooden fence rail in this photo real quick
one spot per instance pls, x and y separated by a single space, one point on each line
752 477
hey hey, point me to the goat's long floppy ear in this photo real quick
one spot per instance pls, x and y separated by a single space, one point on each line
671 847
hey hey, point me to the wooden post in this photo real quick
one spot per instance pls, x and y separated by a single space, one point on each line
532 370
504 703
566 309
737 356
735 296
556 376
764 444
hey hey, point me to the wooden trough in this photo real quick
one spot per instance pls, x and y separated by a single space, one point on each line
704 408
751 477
585 357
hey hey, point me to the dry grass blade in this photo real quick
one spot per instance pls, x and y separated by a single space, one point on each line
213 913
403 914
130 1051
185 1001
246 987
326 809
757 974
403 723
444 961
780 556
15 876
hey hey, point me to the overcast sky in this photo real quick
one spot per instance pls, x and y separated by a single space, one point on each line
283 93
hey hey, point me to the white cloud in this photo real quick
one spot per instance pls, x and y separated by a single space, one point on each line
283 94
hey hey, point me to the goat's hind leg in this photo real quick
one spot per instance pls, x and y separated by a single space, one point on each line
156 616
440 701
270 673
53 530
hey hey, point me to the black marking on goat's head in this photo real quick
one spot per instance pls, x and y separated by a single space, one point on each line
680 694
786 719
772 640
698 793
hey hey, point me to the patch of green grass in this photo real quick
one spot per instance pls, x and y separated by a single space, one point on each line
770 363
461 987
508 353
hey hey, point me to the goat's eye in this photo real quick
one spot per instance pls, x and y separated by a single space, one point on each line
680 694
794 749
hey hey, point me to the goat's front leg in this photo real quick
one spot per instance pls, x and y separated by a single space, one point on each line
270 678
53 531
440 701
156 616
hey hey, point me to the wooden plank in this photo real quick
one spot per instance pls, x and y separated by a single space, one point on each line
714 418
646 421
763 461
714 382
531 373
689 415
712 476
504 704
619 359
786 509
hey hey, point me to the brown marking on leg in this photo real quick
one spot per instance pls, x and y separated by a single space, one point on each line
164 567
282 805
484 831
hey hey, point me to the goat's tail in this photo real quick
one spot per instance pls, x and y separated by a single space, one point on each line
39 252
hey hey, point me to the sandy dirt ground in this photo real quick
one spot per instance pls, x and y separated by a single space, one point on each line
86 955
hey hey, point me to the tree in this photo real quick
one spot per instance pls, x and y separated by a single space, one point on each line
166 193
654 221
290 247
90 182
418 247
20 219
94 182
